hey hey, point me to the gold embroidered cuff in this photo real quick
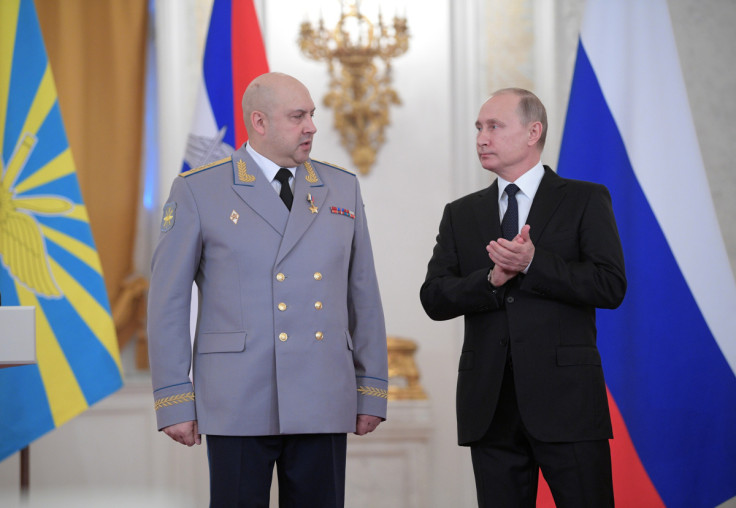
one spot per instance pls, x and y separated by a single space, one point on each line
173 400
373 392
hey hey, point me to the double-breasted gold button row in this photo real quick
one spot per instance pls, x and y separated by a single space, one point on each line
282 306
281 277
283 337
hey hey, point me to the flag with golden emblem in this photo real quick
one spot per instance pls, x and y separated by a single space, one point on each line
48 258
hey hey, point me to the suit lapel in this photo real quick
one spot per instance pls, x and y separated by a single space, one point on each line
307 184
485 211
252 186
549 195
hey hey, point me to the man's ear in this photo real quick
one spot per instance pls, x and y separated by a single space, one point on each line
535 132
258 120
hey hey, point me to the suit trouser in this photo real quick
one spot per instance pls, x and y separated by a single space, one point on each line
506 463
310 467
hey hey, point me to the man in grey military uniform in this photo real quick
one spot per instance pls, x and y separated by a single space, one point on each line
290 349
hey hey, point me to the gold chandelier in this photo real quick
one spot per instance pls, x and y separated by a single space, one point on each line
360 93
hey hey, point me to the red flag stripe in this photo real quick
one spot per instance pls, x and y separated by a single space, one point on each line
248 58
631 484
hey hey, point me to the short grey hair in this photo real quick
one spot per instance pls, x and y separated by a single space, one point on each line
530 110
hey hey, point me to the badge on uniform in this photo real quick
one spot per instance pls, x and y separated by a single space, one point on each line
234 216
343 211
312 207
167 222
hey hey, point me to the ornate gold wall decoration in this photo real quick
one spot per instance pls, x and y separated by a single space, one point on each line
509 44
359 92
403 374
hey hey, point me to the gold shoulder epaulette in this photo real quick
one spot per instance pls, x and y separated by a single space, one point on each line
334 166
206 166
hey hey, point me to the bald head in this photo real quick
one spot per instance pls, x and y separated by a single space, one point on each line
265 92
277 110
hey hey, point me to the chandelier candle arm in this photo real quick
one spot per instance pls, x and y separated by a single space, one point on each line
358 55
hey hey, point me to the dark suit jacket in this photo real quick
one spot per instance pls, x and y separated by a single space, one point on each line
546 317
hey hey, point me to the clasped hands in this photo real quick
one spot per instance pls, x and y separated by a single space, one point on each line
510 256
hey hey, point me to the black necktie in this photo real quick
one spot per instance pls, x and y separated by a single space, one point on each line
510 223
286 196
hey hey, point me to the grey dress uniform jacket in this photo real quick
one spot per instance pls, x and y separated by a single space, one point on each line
290 337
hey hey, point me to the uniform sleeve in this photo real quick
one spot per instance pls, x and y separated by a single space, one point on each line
174 267
366 321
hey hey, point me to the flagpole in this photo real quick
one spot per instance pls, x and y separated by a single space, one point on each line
25 472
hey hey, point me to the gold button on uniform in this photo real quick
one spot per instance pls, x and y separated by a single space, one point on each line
282 306
317 276
283 337
318 305
319 336
280 277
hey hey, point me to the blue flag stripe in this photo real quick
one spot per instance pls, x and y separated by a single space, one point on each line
55 142
675 390
24 79
218 72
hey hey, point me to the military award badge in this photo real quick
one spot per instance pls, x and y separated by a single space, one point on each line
310 200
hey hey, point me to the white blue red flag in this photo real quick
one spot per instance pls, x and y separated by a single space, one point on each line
234 55
48 258
669 352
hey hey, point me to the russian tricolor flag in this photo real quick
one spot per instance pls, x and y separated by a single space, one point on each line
669 351
234 55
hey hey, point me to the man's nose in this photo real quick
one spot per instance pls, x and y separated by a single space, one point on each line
311 127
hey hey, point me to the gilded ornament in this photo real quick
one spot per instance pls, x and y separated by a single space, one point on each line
360 91
403 374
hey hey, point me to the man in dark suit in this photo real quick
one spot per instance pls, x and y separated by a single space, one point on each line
530 391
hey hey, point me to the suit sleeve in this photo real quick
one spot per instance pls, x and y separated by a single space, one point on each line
447 292
174 266
596 275
366 321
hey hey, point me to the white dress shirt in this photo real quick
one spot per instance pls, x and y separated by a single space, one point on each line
270 168
528 184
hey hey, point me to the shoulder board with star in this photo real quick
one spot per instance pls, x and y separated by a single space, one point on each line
334 166
206 166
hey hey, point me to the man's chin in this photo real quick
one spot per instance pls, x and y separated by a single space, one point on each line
487 165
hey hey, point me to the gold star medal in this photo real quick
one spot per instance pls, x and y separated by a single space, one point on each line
312 207
234 217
